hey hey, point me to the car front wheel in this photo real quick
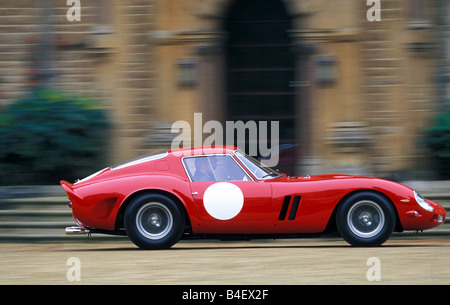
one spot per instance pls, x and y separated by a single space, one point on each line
365 219
153 221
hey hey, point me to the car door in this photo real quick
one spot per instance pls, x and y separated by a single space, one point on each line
223 192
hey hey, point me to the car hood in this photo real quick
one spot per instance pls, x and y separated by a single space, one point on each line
317 178
345 180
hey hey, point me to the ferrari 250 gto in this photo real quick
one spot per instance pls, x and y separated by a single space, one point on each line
222 192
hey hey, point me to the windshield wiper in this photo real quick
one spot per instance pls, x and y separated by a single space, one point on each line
270 174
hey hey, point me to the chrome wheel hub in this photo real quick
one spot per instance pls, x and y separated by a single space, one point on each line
155 220
365 218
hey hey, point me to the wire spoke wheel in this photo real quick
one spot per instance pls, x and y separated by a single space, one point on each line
365 219
154 220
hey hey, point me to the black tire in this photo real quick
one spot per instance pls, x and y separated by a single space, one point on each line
365 219
154 221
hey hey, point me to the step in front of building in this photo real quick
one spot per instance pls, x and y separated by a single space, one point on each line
40 216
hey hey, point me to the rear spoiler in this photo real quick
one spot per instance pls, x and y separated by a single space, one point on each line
68 188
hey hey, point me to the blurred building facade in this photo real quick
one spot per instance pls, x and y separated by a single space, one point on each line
351 95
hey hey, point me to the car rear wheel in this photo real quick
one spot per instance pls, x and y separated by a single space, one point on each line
153 221
365 219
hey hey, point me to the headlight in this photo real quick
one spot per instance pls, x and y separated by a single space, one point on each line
423 203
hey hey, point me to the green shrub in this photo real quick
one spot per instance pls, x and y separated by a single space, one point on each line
49 135
438 141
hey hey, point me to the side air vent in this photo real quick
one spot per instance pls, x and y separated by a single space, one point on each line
285 208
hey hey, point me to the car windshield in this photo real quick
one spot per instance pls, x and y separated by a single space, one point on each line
255 167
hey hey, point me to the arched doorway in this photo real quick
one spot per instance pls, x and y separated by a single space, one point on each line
260 71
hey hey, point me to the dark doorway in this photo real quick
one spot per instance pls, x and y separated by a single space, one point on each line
260 71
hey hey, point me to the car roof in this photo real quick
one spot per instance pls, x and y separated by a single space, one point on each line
203 150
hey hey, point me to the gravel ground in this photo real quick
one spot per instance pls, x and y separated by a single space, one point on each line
283 262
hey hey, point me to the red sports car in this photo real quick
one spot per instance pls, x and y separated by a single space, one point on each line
222 192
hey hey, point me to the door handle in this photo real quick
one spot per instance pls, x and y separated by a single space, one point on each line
194 193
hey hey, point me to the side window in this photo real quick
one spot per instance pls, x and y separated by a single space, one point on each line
214 168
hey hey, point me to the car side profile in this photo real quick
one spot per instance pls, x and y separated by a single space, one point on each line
222 192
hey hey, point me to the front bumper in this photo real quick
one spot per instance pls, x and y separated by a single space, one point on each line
416 218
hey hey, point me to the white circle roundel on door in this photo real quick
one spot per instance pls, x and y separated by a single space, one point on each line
223 200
